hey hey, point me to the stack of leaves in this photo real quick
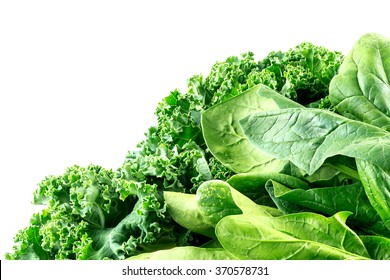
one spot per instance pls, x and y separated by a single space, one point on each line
316 162
242 229
93 213
175 154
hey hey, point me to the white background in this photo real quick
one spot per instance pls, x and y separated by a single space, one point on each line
80 80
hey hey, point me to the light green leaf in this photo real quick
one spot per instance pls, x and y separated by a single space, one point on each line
248 237
361 90
186 253
376 182
307 137
185 211
217 199
224 136
331 231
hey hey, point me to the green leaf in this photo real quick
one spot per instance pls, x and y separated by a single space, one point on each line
336 171
250 183
285 206
135 232
186 253
185 211
331 231
225 138
376 182
28 242
377 246
303 73
290 237
253 185
361 90
330 200
307 137
95 213
217 199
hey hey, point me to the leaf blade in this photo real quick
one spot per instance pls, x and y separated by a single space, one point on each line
376 182
225 138
307 137
361 90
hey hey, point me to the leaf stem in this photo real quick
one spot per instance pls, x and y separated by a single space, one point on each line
346 170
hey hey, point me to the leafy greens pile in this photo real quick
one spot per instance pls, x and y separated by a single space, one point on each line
284 158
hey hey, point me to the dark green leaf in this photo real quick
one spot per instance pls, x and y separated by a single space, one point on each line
378 247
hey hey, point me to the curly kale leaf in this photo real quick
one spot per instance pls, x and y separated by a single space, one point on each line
94 213
303 73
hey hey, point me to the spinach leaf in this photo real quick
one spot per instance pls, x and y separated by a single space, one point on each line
297 236
253 184
330 200
326 237
378 246
187 214
361 90
376 182
213 200
186 253
224 136
217 199
331 231
285 206
336 171
307 137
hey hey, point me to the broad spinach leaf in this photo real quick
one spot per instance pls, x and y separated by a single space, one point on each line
361 90
307 137
331 231
184 210
295 237
217 199
224 136
213 200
